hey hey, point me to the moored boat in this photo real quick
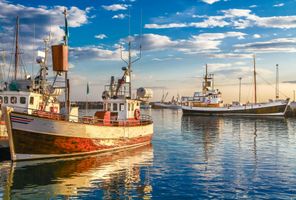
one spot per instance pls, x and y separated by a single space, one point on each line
25 93
120 125
209 102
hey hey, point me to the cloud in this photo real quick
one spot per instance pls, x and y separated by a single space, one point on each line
119 16
39 22
253 6
166 59
164 26
256 36
100 36
94 52
210 1
234 70
286 45
230 55
44 19
236 18
205 42
279 5
115 7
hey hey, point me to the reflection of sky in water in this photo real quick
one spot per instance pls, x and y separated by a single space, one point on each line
193 157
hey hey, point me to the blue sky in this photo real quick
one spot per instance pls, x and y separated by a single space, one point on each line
178 38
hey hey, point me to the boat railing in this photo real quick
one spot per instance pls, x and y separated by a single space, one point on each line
93 120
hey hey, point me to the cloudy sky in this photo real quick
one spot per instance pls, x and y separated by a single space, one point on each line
178 38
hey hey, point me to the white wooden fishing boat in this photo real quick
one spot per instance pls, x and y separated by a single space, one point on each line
120 125
209 102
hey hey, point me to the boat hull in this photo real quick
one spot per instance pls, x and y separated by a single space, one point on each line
268 109
33 137
157 105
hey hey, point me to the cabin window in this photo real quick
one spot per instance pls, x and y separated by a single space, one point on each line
31 100
1 99
13 100
108 106
6 100
121 105
23 100
129 107
132 106
115 107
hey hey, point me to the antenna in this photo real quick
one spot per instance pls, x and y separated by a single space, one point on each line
255 83
16 54
240 89
130 61
66 36
277 83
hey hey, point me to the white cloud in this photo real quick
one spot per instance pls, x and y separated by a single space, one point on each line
253 6
286 45
210 1
237 18
94 52
205 42
119 16
279 5
115 7
256 36
100 36
44 20
230 55
164 26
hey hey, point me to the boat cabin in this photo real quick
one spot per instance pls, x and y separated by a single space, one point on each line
27 101
122 109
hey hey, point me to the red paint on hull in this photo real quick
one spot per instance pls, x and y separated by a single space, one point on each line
36 143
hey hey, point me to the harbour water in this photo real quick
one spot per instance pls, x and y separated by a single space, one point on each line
190 158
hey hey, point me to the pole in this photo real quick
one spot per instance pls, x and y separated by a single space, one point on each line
255 83
129 69
294 95
16 54
277 82
240 86
67 95
206 80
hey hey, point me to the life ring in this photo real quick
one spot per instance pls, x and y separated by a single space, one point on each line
137 114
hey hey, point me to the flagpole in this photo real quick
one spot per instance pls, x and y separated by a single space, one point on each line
87 92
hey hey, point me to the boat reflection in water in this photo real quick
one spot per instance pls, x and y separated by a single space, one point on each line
234 150
115 175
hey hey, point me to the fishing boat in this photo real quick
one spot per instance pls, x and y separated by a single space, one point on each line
209 102
120 125
25 93
173 104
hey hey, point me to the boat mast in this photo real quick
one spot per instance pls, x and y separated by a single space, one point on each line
67 84
255 83
16 53
277 82
240 87
206 80
129 70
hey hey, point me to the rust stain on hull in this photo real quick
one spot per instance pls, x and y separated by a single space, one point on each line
26 142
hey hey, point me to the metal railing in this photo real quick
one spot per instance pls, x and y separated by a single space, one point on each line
92 120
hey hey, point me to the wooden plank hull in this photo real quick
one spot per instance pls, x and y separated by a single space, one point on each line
270 109
33 137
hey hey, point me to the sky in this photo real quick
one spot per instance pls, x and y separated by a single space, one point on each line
178 39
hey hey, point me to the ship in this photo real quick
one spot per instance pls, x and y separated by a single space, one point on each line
25 93
120 125
174 104
209 102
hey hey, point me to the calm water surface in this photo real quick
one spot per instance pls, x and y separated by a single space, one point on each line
190 158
